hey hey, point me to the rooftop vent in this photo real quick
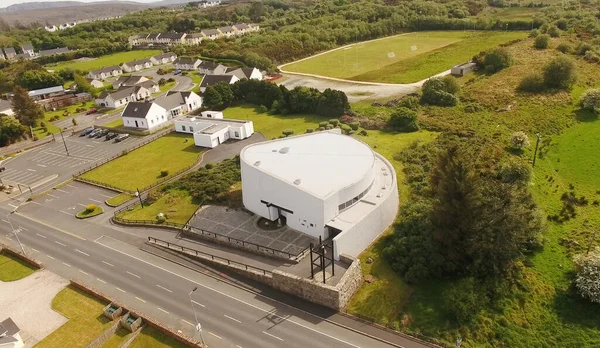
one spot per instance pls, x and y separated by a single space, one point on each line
274 150
135 110
297 181
284 150
257 163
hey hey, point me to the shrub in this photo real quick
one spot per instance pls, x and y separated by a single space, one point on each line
162 81
564 48
329 126
534 33
591 99
541 42
560 73
404 119
209 165
582 48
473 107
355 125
90 208
171 79
553 31
591 56
164 173
532 83
346 128
464 300
287 132
262 109
435 92
496 60
410 102
519 140
74 121
451 85
334 122
515 171
588 274
320 129
323 124
43 124
309 130
364 133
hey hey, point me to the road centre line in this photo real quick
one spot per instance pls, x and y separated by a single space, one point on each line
66 264
83 272
81 252
242 301
41 235
187 322
59 243
110 264
234 319
100 280
162 287
135 275
162 310
199 304
50 257
121 290
268 334
139 299
217 336
37 251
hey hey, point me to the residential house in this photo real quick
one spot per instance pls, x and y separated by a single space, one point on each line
137 65
179 103
212 131
23 56
9 334
193 39
128 81
209 80
51 28
95 83
107 71
164 58
6 107
53 51
10 53
241 28
150 85
144 115
245 73
171 38
254 27
186 63
227 31
28 49
122 96
45 93
208 3
137 40
211 34
211 68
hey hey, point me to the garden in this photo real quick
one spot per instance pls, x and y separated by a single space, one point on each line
108 60
13 268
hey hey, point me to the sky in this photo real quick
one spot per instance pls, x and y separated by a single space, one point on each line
5 3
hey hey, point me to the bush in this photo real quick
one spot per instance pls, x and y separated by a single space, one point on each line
354 125
451 85
171 79
515 171
209 166
43 124
164 173
564 48
162 81
582 48
323 124
329 126
534 33
560 73
588 275
410 102
287 132
496 60
364 133
464 300
591 99
532 83
519 140
309 130
262 109
320 129
90 208
334 122
553 31
591 56
473 107
346 129
74 121
541 42
404 119
436 92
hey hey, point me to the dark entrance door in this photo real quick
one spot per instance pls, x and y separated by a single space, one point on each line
136 124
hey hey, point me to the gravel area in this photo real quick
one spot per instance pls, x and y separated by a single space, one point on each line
28 303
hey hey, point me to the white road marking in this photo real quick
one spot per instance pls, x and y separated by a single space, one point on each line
31 170
71 185
64 212
41 165
66 264
187 322
121 290
139 299
162 310
83 272
110 264
234 319
162 287
268 334
95 200
83 205
51 195
81 252
59 243
34 202
37 251
40 235
199 304
105 196
217 336
50 257
14 206
23 228
59 190
133 274
100 280
5 221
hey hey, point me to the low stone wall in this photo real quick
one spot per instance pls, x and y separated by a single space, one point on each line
108 333
12 252
132 337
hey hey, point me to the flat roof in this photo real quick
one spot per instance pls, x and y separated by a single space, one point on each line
320 163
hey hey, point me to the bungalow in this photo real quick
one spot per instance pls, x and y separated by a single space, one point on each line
107 71
227 31
171 38
51 28
209 80
211 68
28 49
150 85
179 103
208 3
241 28
10 53
54 51
144 115
245 73
93 82
137 65
186 63
137 40
122 97
254 27
211 34
9 334
212 131
128 81
45 93
193 39
164 58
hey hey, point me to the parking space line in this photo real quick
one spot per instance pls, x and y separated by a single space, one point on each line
83 205
71 186
64 212
162 287
61 190
81 252
5 221
135 275
95 200
41 235
37 251
51 195
23 228
234 319
199 304
14 206
59 243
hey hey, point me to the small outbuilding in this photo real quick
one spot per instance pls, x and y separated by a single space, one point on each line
463 69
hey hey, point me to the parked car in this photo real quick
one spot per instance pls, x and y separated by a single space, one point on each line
110 136
86 131
177 72
94 132
101 133
121 137
91 111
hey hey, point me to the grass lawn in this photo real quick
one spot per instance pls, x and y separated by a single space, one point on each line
119 199
108 60
196 77
166 87
416 56
12 268
151 338
115 124
52 129
116 340
178 206
142 167
89 213
85 323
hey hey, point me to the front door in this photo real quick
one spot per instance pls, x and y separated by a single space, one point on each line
136 124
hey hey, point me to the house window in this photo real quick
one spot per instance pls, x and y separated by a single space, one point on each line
126 100
191 129
151 121
237 134
183 128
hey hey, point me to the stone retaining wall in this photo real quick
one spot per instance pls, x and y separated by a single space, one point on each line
132 337
108 333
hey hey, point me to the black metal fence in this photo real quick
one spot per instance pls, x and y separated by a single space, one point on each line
206 255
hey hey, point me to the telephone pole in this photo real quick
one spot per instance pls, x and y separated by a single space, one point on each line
64 142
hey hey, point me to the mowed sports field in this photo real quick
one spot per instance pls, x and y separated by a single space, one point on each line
403 58
108 60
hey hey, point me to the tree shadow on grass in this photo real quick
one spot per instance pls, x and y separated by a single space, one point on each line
585 115
574 310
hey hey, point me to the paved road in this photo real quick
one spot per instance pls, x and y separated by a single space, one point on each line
230 316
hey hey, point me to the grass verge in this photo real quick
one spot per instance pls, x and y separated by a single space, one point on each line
115 124
119 199
12 268
152 338
116 340
89 213
108 60
177 206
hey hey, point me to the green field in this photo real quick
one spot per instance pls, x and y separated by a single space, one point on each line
177 206
142 167
12 268
86 320
404 58
108 60
152 338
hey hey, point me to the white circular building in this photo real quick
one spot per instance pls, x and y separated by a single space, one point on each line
323 184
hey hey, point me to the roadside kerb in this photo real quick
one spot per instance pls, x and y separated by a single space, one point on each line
33 262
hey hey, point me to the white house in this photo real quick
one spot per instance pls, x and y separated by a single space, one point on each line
209 80
254 27
193 39
212 131
179 103
53 51
323 184
10 53
28 49
128 81
170 38
51 28
137 65
208 3
227 31
144 115
245 73
241 28
186 63
122 97
95 83
9 334
103 73
211 34
164 58
211 68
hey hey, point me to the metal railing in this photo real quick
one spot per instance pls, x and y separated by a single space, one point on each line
198 253
147 222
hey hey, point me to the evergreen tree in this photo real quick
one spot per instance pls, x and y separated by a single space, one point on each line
25 108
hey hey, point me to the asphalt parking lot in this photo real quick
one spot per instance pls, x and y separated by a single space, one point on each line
31 168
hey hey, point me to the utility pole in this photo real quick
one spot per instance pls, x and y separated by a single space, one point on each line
139 195
537 144
64 142
13 230
198 326
591 242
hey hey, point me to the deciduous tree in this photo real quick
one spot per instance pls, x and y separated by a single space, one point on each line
25 108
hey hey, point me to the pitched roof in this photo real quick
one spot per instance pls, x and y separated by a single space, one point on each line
185 60
48 90
207 64
27 47
153 36
241 26
105 69
210 80
138 61
53 51
171 101
136 109
210 32
10 51
226 29
248 71
129 80
194 35
171 36
8 329
148 84
119 94
165 55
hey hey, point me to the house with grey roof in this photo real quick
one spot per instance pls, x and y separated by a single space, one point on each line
211 34
171 38
193 39
183 63
53 52
210 80
10 334
10 53
137 65
144 115
179 103
211 68
227 31
245 73
28 49
128 81
105 72
163 58
122 96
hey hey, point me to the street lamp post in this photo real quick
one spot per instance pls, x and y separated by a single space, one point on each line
198 326
139 195
13 231
64 142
